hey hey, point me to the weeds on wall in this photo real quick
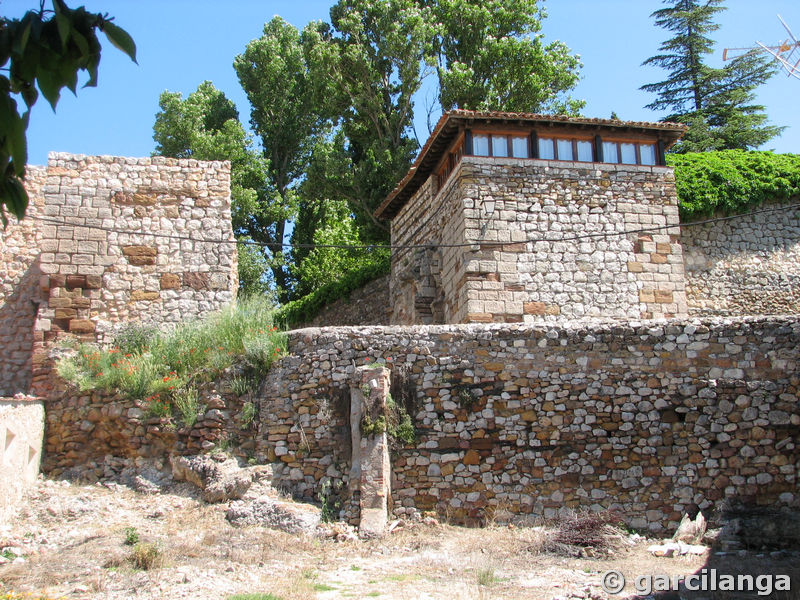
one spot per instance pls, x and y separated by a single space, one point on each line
394 421
164 368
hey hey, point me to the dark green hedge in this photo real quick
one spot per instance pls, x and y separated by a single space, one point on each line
732 181
306 308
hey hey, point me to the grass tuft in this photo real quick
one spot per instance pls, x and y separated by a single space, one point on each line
146 556
163 368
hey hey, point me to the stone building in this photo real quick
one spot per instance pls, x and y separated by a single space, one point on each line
511 217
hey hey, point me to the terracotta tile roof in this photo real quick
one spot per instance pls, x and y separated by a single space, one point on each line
441 136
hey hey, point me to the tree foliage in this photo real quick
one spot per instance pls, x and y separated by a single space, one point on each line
43 52
716 104
333 108
490 55
274 74
733 181
372 61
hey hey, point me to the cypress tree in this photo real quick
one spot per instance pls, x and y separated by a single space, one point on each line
716 104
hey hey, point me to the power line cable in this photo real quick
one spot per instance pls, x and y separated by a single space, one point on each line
484 243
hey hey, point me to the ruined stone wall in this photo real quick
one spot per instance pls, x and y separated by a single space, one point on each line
110 241
91 434
746 265
368 305
546 242
20 293
653 419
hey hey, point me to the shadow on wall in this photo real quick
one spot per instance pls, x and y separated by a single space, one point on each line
18 313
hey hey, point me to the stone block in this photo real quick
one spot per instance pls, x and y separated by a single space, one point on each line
647 296
57 281
659 259
552 310
94 282
479 318
170 281
144 295
196 280
635 267
81 326
663 296
75 281
534 308
140 255
66 313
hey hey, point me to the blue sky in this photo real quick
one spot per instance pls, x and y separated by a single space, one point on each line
183 42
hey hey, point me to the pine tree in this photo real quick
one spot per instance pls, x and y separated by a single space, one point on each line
716 104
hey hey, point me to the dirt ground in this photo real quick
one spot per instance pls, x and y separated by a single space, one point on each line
70 541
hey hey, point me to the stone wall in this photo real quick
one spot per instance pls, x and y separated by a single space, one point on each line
109 241
20 295
541 238
746 265
94 434
368 305
653 419
21 421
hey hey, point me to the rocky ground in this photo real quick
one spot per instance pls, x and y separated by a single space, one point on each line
109 540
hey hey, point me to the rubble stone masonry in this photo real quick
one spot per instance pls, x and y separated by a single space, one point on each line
539 239
109 241
746 265
651 418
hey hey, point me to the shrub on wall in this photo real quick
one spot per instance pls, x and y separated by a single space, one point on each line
306 308
163 368
732 181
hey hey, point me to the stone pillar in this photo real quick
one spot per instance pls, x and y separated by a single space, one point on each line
371 471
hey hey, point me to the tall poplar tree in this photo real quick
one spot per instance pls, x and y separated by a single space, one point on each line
490 55
716 104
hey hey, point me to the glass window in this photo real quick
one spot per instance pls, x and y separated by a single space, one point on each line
610 154
480 145
546 148
564 149
585 152
647 153
499 145
519 147
628 152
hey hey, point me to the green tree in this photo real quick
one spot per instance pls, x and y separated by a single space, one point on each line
206 126
490 55
45 49
274 74
716 104
372 63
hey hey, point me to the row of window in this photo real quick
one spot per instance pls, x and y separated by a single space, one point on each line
519 146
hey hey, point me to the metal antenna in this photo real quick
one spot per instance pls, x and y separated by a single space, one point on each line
787 54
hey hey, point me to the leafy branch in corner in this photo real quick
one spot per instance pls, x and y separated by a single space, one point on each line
45 49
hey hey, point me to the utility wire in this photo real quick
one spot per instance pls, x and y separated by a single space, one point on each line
563 238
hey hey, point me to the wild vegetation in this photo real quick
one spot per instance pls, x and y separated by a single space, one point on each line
164 368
